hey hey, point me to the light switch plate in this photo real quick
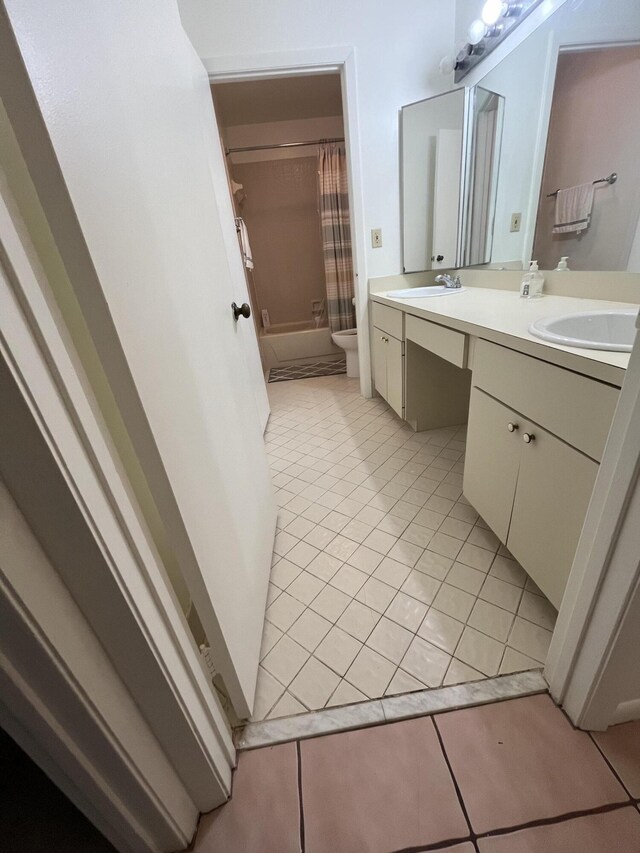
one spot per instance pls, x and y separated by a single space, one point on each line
376 237
516 219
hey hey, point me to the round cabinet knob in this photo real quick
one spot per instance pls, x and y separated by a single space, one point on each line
439 257
528 437
243 310
512 427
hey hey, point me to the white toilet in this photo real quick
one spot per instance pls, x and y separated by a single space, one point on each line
348 340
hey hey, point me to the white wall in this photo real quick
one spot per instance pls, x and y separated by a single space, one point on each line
397 50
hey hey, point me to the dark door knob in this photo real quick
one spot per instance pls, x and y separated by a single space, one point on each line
440 258
243 310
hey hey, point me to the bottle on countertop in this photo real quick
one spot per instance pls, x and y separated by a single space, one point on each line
532 282
562 264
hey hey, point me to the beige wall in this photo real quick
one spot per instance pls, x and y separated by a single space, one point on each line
594 130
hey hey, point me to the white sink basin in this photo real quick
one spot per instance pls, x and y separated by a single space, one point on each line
605 330
424 292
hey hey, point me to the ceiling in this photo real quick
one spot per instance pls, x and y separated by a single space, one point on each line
277 99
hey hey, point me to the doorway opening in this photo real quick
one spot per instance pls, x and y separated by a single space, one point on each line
284 141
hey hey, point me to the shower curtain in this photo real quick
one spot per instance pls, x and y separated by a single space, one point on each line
333 202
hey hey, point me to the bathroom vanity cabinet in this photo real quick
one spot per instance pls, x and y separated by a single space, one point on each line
536 427
535 438
388 356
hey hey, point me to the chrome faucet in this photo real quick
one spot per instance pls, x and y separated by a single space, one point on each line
449 281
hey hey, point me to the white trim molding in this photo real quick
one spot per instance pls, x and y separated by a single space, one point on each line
593 656
341 59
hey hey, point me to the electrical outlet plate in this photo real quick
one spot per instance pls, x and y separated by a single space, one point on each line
376 237
516 219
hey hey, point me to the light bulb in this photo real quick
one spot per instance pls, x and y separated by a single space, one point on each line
476 31
492 10
447 65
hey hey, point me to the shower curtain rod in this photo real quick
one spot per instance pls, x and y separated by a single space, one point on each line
283 145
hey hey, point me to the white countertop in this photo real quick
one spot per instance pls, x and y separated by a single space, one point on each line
503 317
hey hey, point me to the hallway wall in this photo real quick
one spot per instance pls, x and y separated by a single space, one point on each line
397 50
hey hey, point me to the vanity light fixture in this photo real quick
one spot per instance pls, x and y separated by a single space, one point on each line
497 19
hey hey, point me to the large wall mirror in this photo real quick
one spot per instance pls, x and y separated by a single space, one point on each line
551 164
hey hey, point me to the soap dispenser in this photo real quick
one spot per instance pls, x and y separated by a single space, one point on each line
532 282
562 265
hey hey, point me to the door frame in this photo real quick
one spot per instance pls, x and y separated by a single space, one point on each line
315 61
150 675
588 660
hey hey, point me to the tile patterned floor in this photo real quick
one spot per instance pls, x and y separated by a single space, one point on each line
384 578
511 777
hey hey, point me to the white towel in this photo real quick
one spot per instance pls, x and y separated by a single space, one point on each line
573 209
244 243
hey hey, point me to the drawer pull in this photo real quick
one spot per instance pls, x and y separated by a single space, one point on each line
512 427
528 437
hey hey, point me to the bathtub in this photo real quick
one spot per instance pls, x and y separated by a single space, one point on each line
297 343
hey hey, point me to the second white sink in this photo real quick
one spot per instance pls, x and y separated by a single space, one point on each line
423 292
604 330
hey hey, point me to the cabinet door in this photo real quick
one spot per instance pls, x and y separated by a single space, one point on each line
395 374
554 487
380 362
491 461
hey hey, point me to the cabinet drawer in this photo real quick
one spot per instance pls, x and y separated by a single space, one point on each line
447 343
577 409
387 319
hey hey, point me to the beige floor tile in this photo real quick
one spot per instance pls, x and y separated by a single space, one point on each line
434 565
283 543
538 610
356 530
358 620
284 611
530 639
349 579
421 586
402 682
330 603
476 557
426 662
345 694
406 611
268 691
446 546
338 650
370 672
454 527
305 587
480 651
380 541
441 630
503 594
319 536
270 636
341 548
314 684
390 639
429 518
309 629
299 527
302 554
484 539
392 572
283 573
371 516
393 524
315 512
285 660
491 620
335 521
464 513
466 578
376 595
286 706
508 570
365 559
324 566
417 535
454 602
513 661
406 552
461 673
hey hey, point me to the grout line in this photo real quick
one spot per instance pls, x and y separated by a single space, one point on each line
472 834
556 819
300 802
606 759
